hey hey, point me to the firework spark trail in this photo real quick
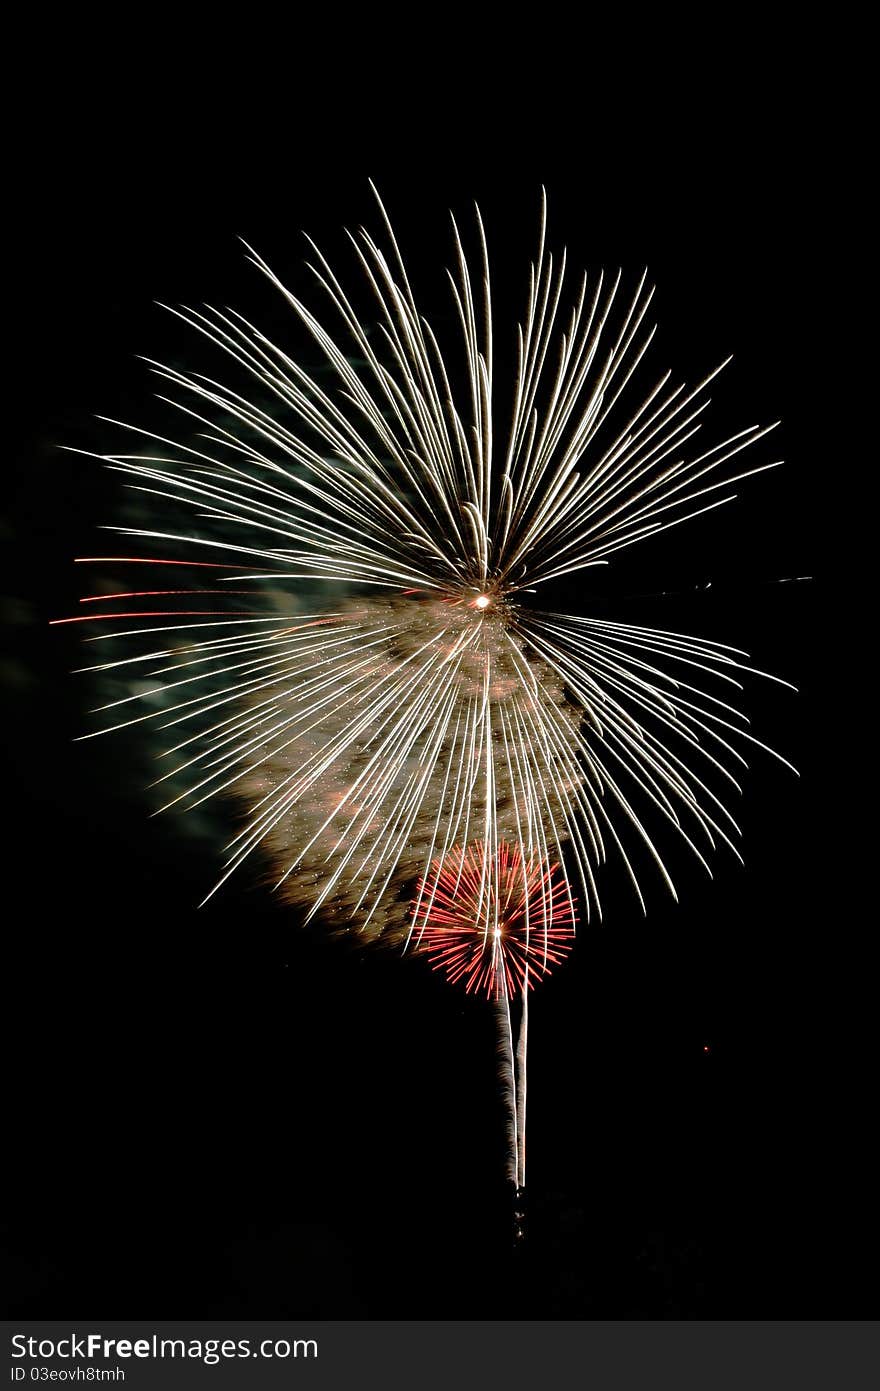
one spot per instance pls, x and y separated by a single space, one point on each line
521 1076
497 948
507 1082
441 721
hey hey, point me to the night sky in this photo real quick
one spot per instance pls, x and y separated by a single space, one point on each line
220 1113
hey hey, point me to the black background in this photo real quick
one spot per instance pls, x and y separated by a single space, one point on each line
216 1113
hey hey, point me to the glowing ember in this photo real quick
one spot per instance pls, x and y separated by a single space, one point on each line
494 932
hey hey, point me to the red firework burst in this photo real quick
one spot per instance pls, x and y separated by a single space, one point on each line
493 931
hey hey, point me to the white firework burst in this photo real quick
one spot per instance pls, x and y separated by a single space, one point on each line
435 706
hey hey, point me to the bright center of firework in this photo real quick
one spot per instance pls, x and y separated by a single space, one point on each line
482 601
467 892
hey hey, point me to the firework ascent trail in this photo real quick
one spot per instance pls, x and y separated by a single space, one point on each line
432 760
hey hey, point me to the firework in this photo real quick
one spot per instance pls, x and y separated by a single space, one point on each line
433 748
496 946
